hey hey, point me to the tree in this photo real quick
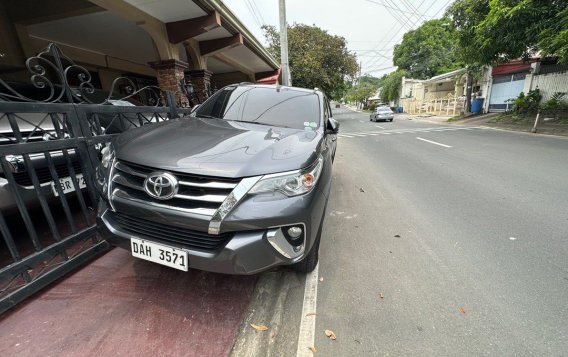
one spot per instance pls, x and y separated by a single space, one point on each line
392 85
361 93
317 59
371 80
428 50
493 31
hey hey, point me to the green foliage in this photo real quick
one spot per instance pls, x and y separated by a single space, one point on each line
556 103
465 16
361 93
428 50
370 80
493 31
392 84
528 103
317 59
554 39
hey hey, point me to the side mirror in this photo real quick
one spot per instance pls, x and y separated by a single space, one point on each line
194 108
332 126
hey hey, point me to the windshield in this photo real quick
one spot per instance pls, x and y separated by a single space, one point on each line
285 107
383 109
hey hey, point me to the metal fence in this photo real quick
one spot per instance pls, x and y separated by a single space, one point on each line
50 148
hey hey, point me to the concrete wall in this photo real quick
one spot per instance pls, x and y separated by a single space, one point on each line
548 84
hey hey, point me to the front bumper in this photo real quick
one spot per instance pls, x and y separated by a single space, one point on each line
257 243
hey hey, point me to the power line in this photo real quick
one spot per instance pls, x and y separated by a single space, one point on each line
410 5
379 69
409 19
376 61
258 12
391 10
443 7
254 16
390 7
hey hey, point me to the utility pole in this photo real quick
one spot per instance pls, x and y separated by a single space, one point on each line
286 78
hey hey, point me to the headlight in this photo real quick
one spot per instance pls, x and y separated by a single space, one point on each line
290 183
107 155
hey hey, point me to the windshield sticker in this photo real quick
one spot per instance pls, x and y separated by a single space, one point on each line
308 128
306 123
313 124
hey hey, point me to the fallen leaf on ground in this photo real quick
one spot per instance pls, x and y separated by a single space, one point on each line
311 314
361 189
381 295
321 279
397 235
259 327
330 334
313 349
462 310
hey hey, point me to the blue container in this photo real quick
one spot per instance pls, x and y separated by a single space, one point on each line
477 105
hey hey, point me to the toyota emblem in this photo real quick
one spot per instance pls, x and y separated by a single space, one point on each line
161 185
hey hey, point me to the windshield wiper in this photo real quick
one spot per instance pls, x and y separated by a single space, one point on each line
255 122
206 116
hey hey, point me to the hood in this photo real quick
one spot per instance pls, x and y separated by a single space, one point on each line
216 147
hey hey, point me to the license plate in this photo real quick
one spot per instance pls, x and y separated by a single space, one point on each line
159 253
67 184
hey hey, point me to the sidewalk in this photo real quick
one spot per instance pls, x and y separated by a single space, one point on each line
122 306
489 120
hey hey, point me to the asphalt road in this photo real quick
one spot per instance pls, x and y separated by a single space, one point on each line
453 250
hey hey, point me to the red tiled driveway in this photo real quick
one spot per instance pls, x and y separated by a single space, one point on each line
122 306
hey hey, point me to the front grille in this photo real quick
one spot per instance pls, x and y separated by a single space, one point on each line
198 194
144 228
44 175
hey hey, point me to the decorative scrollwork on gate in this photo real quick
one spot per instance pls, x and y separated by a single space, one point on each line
51 73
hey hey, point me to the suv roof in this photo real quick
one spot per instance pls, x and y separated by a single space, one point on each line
276 86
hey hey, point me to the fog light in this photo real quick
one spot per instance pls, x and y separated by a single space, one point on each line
294 232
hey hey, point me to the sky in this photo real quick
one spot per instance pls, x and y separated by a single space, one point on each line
371 27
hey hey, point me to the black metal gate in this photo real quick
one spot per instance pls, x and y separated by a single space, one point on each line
50 146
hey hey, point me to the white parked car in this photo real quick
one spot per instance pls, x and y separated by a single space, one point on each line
382 113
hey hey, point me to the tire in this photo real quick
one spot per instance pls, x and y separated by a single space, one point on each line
308 264
390 120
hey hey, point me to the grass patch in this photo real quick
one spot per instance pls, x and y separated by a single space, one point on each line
513 118
456 118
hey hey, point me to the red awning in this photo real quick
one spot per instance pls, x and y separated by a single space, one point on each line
271 79
268 80
512 67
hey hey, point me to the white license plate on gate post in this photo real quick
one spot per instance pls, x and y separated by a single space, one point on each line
67 184
159 253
